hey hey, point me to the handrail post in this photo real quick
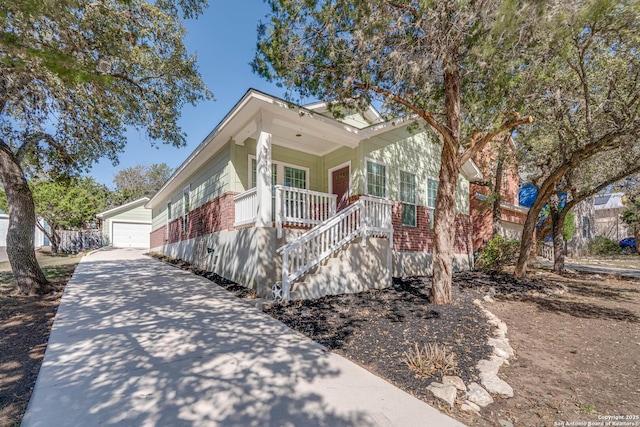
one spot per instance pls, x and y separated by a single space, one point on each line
286 286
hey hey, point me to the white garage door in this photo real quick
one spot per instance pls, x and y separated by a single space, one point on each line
130 235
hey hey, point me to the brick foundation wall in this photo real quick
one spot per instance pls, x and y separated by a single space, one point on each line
215 215
159 237
420 237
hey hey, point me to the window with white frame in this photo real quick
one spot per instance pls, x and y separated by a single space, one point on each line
432 193
168 217
295 177
186 204
376 179
283 174
408 198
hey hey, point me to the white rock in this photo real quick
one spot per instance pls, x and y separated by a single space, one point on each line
466 407
487 298
447 393
454 381
477 302
502 344
472 405
491 366
478 395
495 385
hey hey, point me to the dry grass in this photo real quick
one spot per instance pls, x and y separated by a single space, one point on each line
429 359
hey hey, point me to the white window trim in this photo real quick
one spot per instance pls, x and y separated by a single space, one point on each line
431 209
187 190
169 208
279 172
335 168
415 204
366 176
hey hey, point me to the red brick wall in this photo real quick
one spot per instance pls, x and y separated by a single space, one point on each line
482 219
159 237
215 215
420 237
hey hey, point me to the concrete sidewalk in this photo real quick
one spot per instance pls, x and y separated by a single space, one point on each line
140 343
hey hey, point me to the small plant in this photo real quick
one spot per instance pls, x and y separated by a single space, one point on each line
603 246
430 358
498 253
588 409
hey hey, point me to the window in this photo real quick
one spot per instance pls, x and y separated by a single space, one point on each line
254 173
295 177
376 179
408 198
432 193
168 210
186 207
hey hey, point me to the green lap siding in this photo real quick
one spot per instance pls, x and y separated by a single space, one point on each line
418 153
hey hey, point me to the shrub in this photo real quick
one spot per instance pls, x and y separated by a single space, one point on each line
603 246
430 358
498 253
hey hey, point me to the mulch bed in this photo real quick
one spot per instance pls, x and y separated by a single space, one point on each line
376 328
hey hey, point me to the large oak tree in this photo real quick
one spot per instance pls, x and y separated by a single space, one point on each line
73 75
582 84
447 63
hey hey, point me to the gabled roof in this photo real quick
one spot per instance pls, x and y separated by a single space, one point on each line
123 208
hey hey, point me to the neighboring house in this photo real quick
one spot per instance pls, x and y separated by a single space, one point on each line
39 240
608 223
513 215
584 215
243 203
127 226
584 218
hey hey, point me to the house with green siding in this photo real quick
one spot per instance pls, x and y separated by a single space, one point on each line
292 202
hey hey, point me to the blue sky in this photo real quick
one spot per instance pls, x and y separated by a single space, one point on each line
224 39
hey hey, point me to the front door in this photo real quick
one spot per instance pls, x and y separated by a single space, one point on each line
340 186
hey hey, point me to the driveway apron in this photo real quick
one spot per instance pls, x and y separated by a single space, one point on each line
140 343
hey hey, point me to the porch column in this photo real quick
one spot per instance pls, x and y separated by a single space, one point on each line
263 173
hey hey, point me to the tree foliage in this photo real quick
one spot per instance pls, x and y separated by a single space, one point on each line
67 205
447 64
73 75
139 181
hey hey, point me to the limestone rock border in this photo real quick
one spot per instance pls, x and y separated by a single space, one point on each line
478 396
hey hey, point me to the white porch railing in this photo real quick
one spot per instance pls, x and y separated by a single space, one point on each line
296 206
246 207
368 215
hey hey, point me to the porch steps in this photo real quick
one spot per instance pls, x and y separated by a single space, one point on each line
343 273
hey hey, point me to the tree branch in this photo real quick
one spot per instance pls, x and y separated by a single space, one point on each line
478 144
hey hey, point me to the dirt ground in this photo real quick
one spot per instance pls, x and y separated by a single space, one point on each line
25 324
578 354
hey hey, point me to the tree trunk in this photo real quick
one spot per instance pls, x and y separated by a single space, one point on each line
556 233
444 218
636 234
526 244
444 230
497 198
27 274
52 235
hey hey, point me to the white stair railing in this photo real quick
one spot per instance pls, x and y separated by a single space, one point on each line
246 207
366 216
297 206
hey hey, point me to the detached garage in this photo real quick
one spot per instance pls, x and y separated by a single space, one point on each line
127 226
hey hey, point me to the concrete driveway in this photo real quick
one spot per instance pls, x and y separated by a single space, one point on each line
140 343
